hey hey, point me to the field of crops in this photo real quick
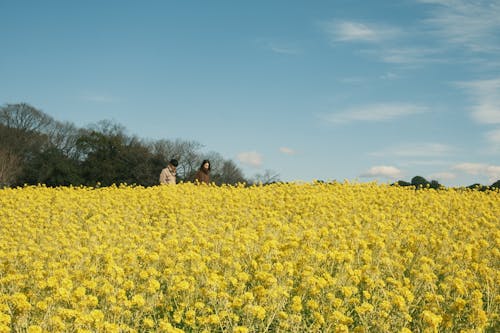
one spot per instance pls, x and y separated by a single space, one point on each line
281 258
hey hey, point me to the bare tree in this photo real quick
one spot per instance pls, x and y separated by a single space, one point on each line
108 128
268 177
9 166
24 129
64 137
24 117
186 152
216 162
230 174
22 137
188 157
36 148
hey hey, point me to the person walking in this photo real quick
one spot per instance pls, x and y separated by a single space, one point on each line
203 173
168 175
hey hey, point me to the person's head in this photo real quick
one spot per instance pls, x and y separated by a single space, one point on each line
173 162
205 165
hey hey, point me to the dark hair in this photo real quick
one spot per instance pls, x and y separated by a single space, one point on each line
174 162
206 161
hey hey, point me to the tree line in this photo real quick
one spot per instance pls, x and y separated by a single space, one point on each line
38 149
420 182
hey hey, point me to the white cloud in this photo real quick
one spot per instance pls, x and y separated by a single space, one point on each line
251 158
350 31
486 98
383 36
375 112
488 170
474 25
416 150
388 172
470 25
494 137
287 151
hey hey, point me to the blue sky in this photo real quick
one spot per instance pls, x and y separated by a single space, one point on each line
340 89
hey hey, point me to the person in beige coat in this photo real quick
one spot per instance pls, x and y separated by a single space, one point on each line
167 175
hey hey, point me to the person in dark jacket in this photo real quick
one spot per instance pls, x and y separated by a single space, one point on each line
203 173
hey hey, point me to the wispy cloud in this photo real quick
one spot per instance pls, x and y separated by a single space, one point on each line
251 158
422 162
407 55
287 151
284 49
279 47
389 76
351 31
375 112
488 170
382 37
98 98
474 25
383 171
443 176
450 24
353 80
427 149
486 99
493 137
493 140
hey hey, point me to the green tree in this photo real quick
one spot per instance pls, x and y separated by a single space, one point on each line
435 185
53 168
419 182
109 156
38 149
103 151
23 133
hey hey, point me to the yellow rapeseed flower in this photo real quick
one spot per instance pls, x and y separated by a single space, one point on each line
340 256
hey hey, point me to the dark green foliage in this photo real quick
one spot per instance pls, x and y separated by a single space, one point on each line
36 149
419 182
51 167
435 184
477 187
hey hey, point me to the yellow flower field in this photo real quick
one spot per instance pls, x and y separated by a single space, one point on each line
281 258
